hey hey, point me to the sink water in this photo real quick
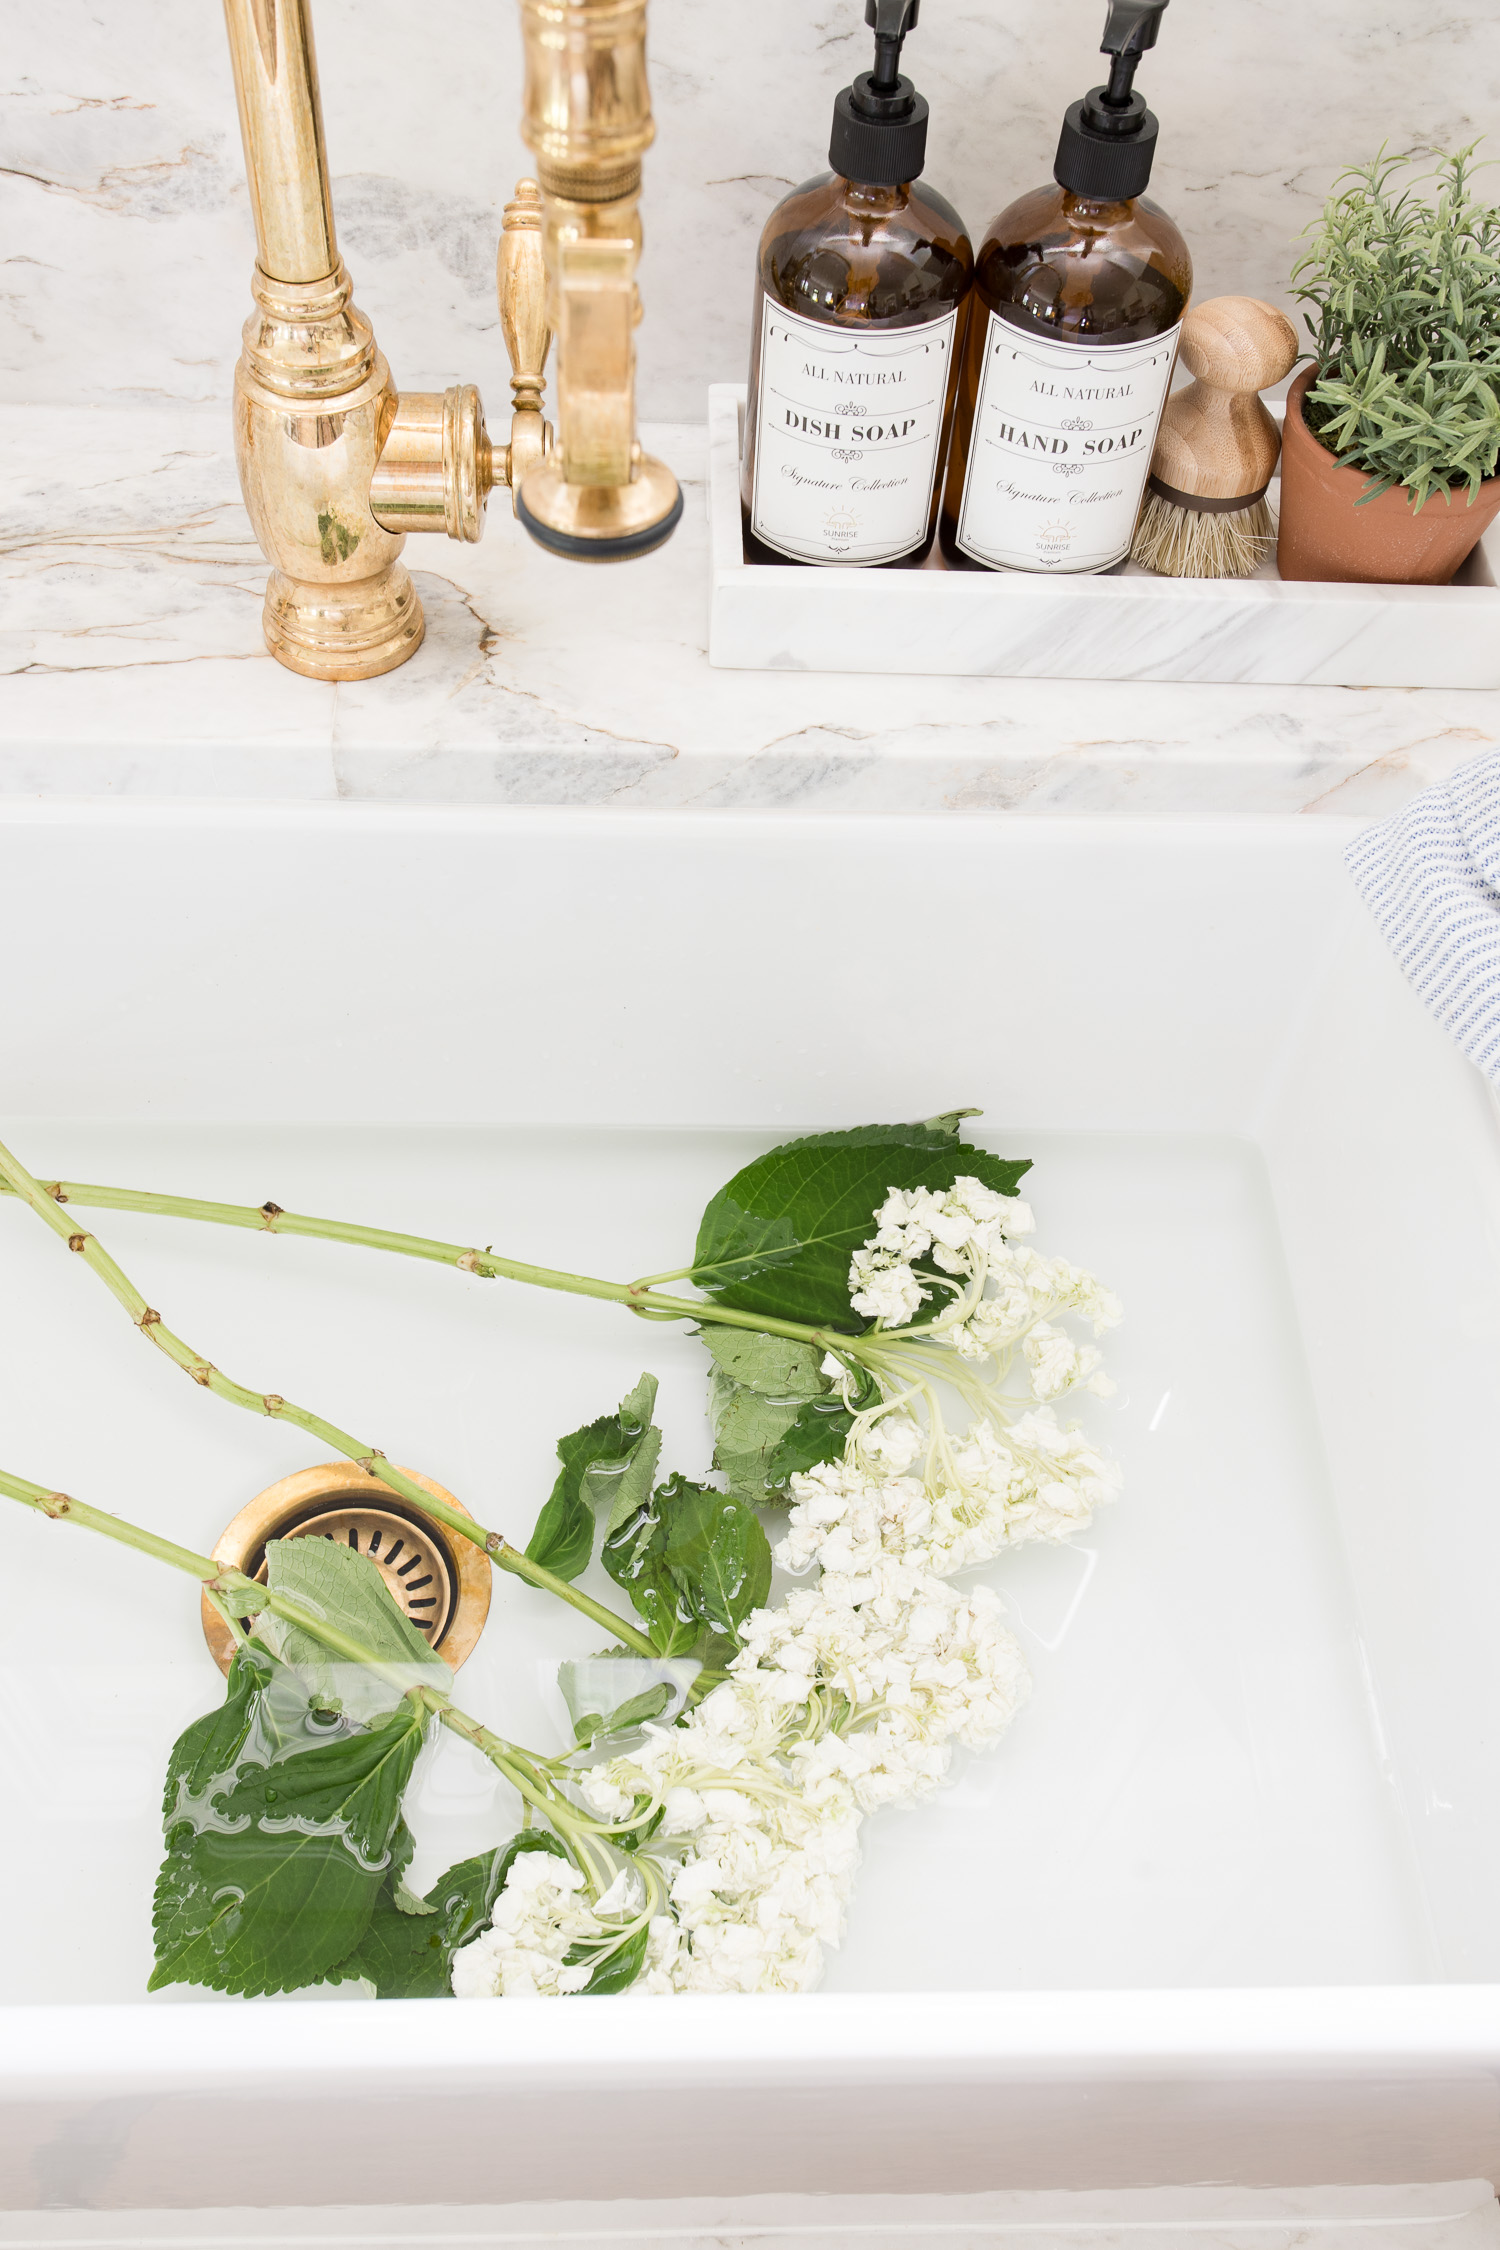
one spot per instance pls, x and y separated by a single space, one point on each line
1194 1794
1221 1905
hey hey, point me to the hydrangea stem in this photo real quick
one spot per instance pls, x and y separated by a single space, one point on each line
45 1204
489 1265
517 1765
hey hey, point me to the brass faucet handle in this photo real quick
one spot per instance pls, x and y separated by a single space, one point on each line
436 466
521 283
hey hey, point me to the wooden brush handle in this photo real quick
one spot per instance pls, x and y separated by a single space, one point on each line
1216 440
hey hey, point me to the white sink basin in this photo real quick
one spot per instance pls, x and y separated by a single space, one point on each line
1224 1903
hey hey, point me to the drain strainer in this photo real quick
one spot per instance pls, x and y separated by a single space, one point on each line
441 1582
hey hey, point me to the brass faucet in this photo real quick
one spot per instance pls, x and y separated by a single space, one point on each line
336 466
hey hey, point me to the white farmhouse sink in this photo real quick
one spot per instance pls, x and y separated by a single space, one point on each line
1224 1905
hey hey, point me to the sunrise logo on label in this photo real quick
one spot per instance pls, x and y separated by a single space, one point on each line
848 436
1061 447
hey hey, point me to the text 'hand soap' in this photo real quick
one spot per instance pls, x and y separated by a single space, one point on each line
1079 293
853 355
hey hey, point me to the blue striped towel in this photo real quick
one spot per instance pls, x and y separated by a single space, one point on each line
1431 878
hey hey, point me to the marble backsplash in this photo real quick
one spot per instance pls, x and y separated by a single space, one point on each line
125 236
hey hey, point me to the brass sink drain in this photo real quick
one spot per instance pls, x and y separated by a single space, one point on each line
442 1582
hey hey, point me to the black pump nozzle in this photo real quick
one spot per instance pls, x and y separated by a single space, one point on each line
880 122
1109 138
1131 26
891 20
1130 30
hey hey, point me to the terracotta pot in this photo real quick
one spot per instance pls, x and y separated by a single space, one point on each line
1324 535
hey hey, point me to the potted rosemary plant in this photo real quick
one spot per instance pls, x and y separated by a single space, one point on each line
1393 436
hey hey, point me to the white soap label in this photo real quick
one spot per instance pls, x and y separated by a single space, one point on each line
1063 435
849 437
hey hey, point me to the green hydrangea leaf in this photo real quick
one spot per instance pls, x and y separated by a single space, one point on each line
775 1366
283 1822
637 1709
214 1744
818 1434
407 1953
617 1971
635 1555
748 1430
692 1560
628 1489
596 1726
609 1693
336 1584
608 1464
717 1550
713 1654
403 1898
950 1120
778 1238
773 1411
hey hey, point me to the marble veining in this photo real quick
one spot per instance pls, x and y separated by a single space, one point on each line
131 663
1128 626
126 231
130 651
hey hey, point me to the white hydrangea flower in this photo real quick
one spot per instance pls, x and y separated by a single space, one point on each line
625 1896
606 1799
762 1794
852 1693
957 1229
885 1289
1073 1290
1057 1364
894 1442
1011 1296
537 1919
844 1379
985 1491
1073 1477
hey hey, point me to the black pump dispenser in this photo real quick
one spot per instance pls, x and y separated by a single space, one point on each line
880 122
860 282
1109 138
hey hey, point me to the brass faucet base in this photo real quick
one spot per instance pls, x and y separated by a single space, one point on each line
343 633
601 522
313 403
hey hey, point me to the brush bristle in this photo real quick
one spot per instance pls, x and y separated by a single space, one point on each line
1185 543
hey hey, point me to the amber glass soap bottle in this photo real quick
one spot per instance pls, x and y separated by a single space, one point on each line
854 348
1079 293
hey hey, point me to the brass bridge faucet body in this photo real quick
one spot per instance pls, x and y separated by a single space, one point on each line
335 464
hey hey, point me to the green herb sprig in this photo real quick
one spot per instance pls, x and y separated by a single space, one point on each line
1405 297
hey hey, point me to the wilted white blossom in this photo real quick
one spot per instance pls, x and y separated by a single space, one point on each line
955 1229
1057 1364
852 1693
847 1697
964 1502
1016 1473
884 1288
1010 1296
537 1920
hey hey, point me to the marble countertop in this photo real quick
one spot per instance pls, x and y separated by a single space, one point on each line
131 662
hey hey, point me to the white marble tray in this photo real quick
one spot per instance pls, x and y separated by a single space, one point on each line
1131 626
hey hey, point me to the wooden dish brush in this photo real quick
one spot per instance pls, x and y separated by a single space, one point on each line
1206 513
